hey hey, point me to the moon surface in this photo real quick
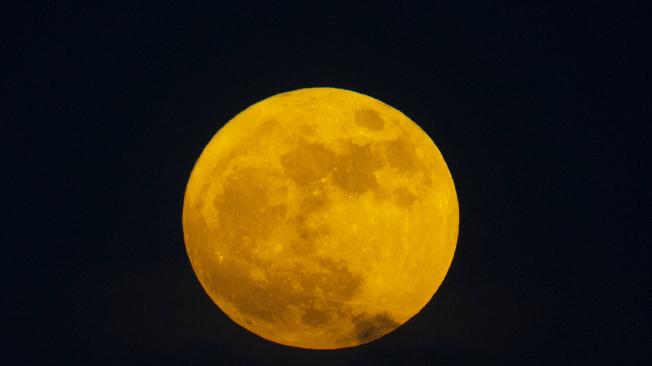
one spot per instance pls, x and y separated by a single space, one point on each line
320 218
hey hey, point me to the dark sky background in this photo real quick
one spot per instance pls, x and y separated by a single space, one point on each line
534 106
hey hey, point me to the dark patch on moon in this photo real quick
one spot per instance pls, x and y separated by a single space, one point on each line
354 171
307 163
305 243
314 201
242 209
268 300
369 327
333 278
404 197
401 155
369 119
232 278
308 233
314 317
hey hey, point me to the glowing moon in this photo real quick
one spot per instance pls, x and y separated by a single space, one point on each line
320 218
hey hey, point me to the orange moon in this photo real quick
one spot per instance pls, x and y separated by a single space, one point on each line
320 218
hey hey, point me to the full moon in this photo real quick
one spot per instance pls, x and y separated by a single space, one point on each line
320 218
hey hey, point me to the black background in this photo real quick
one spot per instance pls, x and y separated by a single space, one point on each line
534 106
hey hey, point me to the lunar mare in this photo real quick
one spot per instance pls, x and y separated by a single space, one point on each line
320 218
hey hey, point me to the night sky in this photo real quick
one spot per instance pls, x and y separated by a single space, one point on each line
534 107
